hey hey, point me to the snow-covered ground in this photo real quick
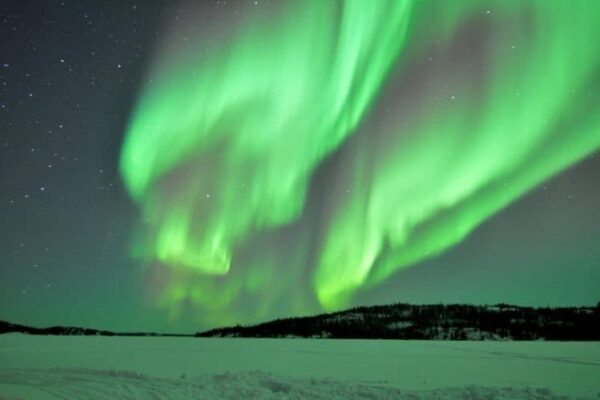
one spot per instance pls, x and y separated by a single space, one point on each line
38 367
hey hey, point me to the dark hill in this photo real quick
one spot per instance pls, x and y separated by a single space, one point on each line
435 322
7 327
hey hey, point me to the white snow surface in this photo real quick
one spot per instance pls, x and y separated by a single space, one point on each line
62 367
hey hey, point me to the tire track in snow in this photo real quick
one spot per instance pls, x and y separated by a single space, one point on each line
71 384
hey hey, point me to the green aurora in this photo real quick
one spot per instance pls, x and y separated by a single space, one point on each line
223 151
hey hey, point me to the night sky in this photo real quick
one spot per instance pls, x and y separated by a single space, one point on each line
173 166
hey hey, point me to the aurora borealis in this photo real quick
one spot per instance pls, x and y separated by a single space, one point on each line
223 149
179 165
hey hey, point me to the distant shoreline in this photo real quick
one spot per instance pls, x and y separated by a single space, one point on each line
7 327
500 322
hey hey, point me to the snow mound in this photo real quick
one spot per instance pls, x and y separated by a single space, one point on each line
112 384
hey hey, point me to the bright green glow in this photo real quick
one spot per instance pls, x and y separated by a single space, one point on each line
222 149
277 103
442 175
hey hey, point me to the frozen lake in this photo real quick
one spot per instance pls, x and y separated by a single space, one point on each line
40 367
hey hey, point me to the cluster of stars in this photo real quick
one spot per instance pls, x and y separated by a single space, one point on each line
61 69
